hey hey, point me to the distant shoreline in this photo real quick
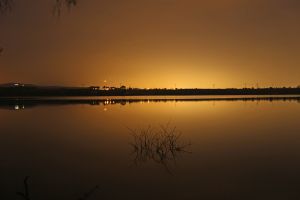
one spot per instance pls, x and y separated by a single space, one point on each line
21 90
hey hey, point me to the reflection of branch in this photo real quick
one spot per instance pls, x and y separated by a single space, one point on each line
161 145
25 195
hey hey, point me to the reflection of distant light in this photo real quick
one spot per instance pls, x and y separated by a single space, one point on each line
16 84
105 109
19 107
108 101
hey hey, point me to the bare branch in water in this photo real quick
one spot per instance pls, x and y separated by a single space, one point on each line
89 193
161 145
25 195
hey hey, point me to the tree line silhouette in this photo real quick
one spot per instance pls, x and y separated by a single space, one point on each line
19 90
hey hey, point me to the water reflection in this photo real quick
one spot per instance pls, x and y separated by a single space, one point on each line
159 144
19 107
22 103
238 151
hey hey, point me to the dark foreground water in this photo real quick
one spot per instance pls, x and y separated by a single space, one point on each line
150 149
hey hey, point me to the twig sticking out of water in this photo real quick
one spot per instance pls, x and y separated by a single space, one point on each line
89 193
25 195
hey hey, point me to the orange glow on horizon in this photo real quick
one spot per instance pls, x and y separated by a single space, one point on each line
185 44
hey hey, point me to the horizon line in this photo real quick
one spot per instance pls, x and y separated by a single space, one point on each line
20 84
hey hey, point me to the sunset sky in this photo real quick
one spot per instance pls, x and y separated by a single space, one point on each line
153 43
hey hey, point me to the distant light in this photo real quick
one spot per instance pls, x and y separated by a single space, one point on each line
17 107
16 84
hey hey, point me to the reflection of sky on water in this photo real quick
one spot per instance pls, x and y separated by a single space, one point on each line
239 149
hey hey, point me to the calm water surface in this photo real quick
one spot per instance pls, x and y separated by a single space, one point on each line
223 150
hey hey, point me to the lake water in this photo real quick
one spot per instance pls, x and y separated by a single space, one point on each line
192 148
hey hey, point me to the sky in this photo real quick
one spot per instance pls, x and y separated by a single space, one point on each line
153 43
